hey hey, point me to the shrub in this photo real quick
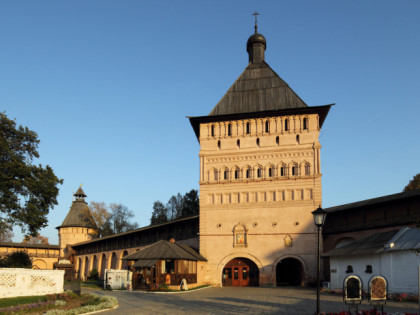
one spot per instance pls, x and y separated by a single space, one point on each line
94 274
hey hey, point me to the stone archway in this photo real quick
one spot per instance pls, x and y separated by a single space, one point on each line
113 261
290 272
86 272
124 263
95 263
39 264
240 272
103 265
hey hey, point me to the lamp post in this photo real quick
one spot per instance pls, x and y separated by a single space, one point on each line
319 220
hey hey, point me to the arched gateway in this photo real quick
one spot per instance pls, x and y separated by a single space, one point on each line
289 271
240 272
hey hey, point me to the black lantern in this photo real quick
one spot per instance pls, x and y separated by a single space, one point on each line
319 217
319 220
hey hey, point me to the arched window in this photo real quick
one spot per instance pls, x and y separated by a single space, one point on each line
271 171
248 128
294 170
259 172
277 140
229 129
305 123
212 130
216 175
297 138
267 126
283 170
286 124
237 173
248 173
218 144
258 141
307 169
226 174
238 143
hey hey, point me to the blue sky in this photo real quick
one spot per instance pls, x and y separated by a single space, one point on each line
107 85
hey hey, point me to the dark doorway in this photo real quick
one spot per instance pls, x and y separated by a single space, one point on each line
240 272
289 272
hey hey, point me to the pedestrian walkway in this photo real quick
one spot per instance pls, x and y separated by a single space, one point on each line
238 301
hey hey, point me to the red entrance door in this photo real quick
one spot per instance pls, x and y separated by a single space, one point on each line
240 276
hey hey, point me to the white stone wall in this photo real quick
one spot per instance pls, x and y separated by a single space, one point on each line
400 268
27 282
118 279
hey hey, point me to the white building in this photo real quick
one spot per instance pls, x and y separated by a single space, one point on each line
390 254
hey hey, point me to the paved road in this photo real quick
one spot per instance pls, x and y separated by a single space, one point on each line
236 301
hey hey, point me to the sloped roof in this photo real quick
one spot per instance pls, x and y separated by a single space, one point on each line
372 244
80 192
28 245
364 203
403 239
165 250
79 216
257 89
145 228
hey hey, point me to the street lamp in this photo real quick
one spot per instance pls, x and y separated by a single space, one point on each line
319 220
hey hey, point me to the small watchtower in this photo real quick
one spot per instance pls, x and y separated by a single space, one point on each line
78 226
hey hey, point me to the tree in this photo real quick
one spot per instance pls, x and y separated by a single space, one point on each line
174 206
177 207
102 217
6 236
27 191
112 219
413 184
159 214
38 239
190 203
16 260
120 216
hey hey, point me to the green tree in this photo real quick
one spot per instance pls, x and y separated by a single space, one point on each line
413 184
27 191
16 260
190 203
159 214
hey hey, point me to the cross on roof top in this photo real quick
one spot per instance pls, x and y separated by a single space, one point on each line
255 14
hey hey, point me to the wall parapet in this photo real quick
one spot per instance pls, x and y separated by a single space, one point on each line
27 282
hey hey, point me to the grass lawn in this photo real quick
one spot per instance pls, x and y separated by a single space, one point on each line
21 300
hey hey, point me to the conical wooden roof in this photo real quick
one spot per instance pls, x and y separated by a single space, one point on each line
79 214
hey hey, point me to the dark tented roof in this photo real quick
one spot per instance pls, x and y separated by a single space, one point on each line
165 250
257 89
80 192
369 202
79 216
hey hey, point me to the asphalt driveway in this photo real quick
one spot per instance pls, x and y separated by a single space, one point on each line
246 300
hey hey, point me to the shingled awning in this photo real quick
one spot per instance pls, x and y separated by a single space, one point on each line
165 250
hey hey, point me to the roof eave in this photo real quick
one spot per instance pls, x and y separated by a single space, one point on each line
322 110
